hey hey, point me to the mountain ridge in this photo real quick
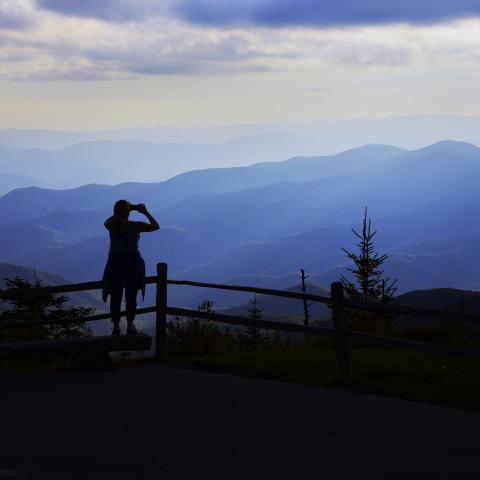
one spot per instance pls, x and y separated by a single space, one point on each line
271 225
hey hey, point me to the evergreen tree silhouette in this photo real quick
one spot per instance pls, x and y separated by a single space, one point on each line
29 307
252 339
369 284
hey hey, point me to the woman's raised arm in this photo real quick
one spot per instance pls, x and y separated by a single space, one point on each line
147 227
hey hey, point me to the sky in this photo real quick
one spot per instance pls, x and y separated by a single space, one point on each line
89 64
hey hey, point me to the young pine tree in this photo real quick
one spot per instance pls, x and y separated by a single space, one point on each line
252 338
29 309
369 284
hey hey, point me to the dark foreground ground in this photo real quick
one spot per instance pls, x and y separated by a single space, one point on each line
166 423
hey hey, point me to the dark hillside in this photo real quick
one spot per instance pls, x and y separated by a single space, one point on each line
448 299
288 309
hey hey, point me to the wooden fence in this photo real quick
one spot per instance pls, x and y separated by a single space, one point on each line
339 305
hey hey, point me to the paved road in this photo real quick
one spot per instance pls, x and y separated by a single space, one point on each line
166 423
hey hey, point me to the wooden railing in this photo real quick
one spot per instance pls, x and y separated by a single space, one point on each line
339 305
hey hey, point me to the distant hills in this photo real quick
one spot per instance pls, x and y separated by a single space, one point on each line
259 224
330 136
39 201
11 181
112 162
67 159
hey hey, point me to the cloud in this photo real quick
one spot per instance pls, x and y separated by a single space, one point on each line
109 10
323 13
91 50
15 15
78 47
85 49
271 13
181 52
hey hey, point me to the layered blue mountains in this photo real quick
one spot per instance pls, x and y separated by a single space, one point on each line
259 224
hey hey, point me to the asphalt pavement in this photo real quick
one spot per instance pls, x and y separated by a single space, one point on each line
155 422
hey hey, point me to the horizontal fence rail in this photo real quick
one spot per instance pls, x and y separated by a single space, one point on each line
336 301
12 294
263 291
244 321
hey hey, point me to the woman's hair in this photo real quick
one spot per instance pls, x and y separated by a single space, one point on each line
121 208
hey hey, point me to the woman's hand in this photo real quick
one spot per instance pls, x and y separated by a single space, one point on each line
142 209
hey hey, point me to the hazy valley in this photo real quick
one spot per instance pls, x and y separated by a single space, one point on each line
260 224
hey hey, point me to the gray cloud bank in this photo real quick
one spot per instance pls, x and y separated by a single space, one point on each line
149 37
109 10
272 13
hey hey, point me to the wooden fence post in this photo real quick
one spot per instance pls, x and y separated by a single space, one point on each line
161 312
340 330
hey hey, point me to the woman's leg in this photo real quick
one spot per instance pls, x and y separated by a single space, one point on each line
115 303
131 301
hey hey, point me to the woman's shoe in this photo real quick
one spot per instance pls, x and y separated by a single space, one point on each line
116 330
131 330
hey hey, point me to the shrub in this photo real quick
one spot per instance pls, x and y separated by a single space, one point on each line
32 307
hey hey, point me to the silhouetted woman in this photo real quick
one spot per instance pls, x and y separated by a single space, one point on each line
125 268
